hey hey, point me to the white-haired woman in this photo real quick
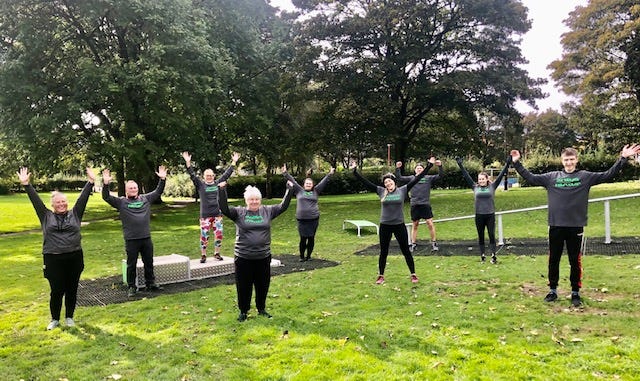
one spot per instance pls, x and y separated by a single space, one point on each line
252 248
61 246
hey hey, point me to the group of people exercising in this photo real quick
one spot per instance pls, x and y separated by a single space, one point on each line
567 192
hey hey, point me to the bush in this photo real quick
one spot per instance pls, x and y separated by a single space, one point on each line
179 185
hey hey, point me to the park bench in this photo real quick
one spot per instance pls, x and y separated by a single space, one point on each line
359 224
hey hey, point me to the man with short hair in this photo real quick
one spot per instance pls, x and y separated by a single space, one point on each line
135 215
568 200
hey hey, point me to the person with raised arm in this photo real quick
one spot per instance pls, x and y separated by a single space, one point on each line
211 222
568 201
484 192
63 259
252 248
421 201
135 214
392 217
307 211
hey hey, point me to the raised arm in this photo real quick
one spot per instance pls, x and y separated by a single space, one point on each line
283 205
530 177
82 200
229 171
399 176
325 180
465 173
223 202
368 184
162 174
288 176
36 201
106 196
502 173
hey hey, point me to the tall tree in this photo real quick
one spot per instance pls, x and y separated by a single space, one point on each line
599 66
548 132
401 64
123 81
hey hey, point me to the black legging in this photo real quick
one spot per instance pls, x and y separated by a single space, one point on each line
306 244
400 232
63 273
488 221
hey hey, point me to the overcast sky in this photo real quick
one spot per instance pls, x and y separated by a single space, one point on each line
540 46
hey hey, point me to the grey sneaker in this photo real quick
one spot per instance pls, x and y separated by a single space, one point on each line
132 291
69 322
575 300
53 324
551 297
434 246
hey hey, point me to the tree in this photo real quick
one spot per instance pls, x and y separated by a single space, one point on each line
123 82
402 67
599 67
548 133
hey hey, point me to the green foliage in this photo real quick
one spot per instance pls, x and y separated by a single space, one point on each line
179 185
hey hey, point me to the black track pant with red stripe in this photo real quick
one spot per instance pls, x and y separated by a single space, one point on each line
572 236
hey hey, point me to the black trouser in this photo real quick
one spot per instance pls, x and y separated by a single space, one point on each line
306 244
250 273
400 232
488 221
558 235
144 247
63 273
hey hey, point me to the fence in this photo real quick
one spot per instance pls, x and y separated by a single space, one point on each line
607 216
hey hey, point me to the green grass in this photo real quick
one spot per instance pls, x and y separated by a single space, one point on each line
463 321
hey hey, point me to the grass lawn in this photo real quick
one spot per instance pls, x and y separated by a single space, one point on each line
463 321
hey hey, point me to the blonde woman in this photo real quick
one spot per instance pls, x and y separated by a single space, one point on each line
61 248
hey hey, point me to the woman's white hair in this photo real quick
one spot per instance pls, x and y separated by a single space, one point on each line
56 194
251 191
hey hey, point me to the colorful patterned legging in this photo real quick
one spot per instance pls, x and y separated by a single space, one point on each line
210 226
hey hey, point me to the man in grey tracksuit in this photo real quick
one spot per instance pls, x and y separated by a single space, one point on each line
568 199
135 215
420 200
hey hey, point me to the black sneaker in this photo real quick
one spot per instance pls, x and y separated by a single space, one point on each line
302 259
494 259
265 314
154 287
551 297
483 258
412 247
132 291
203 258
242 317
575 300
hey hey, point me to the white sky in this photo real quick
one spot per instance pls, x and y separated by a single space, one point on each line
540 46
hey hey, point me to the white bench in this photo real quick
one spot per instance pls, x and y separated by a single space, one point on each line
360 224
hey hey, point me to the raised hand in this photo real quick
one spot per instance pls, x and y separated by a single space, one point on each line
162 172
222 184
24 175
91 175
438 163
515 155
234 158
630 150
432 160
332 171
187 158
284 168
106 176
398 164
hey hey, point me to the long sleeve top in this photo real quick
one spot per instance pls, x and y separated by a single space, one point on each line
253 228
307 201
135 213
392 211
208 193
484 196
421 192
568 193
61 232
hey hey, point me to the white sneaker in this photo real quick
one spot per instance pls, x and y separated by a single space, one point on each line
53 324
69 322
